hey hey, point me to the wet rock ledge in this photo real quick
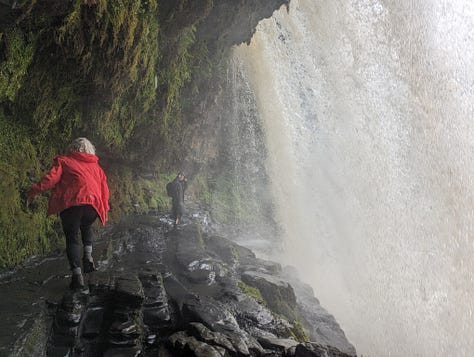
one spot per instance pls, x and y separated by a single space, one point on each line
183 292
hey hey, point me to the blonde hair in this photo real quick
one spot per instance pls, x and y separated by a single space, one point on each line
82 145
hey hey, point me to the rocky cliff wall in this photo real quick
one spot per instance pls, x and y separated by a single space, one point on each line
136 77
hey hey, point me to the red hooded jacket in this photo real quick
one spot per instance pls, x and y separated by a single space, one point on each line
75 179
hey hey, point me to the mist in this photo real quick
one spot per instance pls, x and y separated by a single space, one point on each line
367 108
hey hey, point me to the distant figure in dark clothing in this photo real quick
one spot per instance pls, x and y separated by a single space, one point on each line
178 186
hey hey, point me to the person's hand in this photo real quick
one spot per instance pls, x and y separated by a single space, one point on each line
29 199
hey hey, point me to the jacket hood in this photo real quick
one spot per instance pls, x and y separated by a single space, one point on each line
82 156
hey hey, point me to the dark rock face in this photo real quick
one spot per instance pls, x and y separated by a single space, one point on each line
156 305
322 326
129 291
67 319
310 349
156 312
202 333
233 22
277 292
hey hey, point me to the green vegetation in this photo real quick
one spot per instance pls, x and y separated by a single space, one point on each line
128 75
298 332
234 252
229 199
176 77
105 61
113 71
18 56
131 193
252 292
200 190
23 232
228 202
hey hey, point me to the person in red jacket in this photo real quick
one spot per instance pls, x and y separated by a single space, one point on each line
79 194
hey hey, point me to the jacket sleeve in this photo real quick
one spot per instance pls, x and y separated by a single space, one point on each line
49 180
105 192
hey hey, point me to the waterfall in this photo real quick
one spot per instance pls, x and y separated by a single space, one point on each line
367 109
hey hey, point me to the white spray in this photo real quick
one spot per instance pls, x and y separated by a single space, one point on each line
368 114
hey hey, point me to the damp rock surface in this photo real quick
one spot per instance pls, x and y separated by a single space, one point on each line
185 292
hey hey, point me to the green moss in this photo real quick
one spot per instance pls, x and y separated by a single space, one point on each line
126 35
19 49
227 199
200 190
230 201
251 291
298 332
234 252
23 232
177 76
132 193
115 72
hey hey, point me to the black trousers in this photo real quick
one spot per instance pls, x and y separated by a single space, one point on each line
74 219
177 209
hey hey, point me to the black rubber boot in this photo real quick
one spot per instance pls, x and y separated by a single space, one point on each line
77 282
89 265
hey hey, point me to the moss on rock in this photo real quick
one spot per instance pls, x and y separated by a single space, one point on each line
251 291
127 75
23 232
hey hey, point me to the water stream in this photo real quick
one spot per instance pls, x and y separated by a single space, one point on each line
367 108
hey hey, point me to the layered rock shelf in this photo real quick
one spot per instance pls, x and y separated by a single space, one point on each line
188 292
